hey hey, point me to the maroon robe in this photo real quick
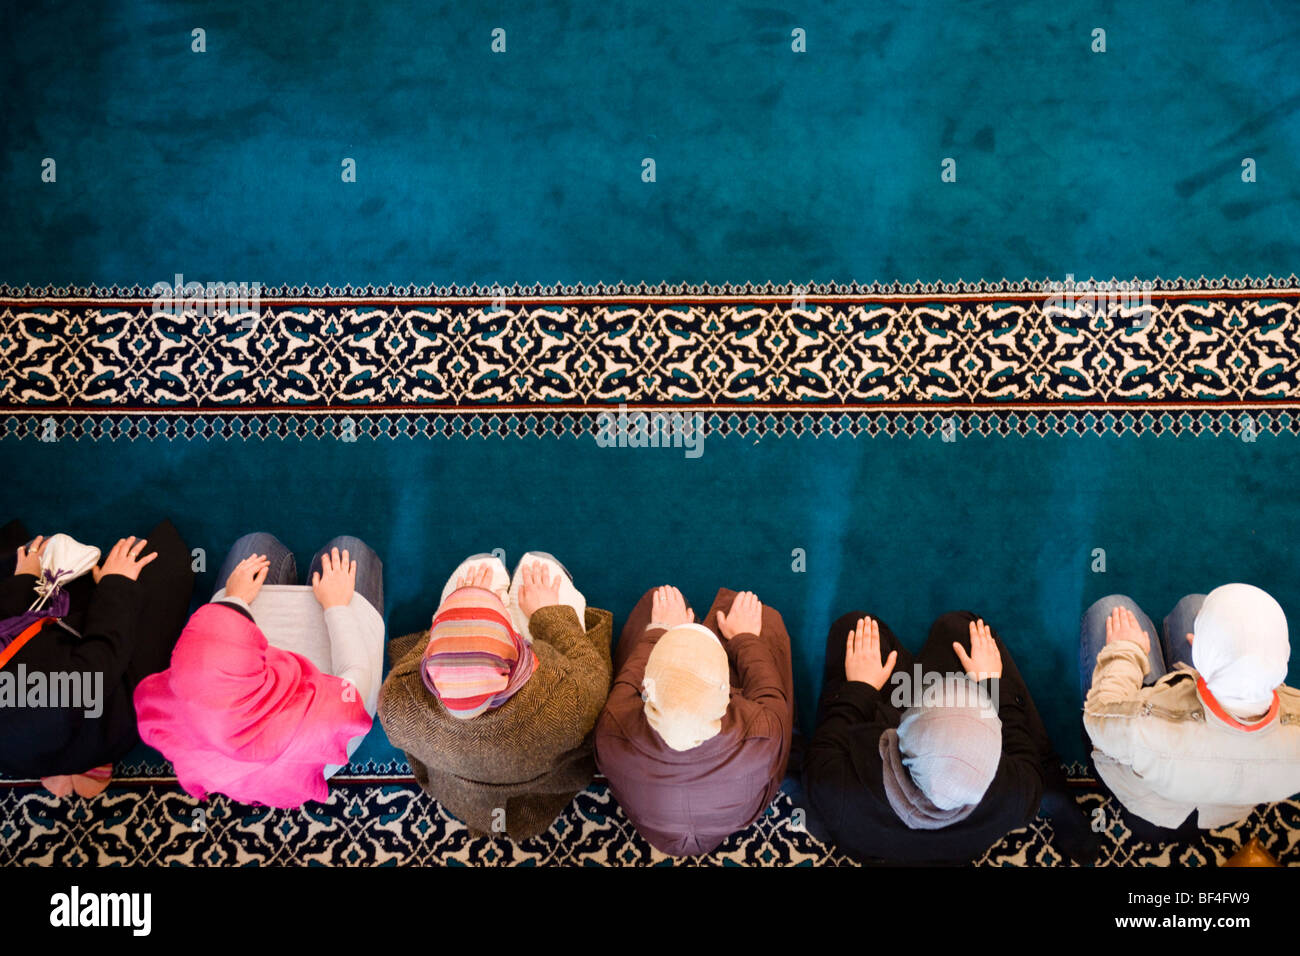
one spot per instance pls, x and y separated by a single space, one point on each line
688 802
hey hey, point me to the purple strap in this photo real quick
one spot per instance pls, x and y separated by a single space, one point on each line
57 606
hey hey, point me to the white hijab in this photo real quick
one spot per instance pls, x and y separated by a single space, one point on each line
686 686
1240 647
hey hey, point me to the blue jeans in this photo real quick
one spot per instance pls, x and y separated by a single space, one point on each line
284 569
1168 650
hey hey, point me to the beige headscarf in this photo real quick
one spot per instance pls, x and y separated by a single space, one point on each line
687 686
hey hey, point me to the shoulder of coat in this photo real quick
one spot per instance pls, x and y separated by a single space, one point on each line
408 646
1173 697
1184 678
1289 698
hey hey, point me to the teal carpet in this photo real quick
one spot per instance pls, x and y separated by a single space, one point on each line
477 169
902 527
525 166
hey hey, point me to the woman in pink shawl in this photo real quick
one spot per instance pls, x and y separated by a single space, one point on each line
236 714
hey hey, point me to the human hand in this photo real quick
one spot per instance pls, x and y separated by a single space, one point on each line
537 589
476 576
862 655
1122 625
124 559
668 607
745 616
245 582
984 660
335 582
29 556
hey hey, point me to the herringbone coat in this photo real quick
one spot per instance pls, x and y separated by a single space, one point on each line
530 756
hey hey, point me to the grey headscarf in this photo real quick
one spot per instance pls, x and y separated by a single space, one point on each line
940 761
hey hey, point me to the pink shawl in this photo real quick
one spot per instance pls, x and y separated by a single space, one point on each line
237 716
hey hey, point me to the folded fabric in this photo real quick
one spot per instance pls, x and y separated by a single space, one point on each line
237 716
908 801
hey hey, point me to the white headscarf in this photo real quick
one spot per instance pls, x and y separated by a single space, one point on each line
1240 647
687 686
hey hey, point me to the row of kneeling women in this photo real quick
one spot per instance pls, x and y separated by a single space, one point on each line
517 694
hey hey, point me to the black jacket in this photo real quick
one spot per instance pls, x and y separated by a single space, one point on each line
842 777
49 741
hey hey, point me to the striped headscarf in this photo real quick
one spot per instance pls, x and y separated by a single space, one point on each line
475 659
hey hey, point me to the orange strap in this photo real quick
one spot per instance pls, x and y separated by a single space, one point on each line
1230 720
17 643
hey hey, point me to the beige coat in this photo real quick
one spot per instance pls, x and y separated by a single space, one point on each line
1164 751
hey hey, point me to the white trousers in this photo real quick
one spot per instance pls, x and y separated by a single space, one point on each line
507 587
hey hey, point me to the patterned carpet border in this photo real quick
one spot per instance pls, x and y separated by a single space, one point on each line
1026 286
786 353
1245 422
912 361
370 823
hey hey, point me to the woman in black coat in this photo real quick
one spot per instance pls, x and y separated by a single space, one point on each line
844 768
122 622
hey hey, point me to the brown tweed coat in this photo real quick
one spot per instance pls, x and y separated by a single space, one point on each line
528 757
